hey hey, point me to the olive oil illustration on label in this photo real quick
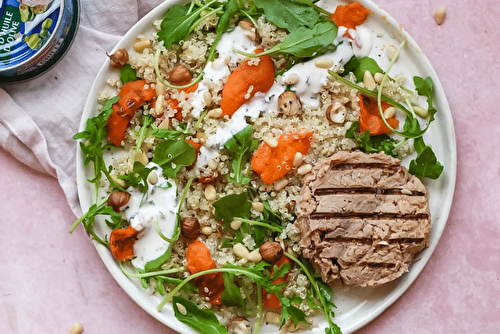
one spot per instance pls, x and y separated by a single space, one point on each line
25 28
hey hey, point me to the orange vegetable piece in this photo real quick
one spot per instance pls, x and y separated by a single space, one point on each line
132 96
121 242
174 103
199 259
350 15
369 118
272 163
270 300
238 87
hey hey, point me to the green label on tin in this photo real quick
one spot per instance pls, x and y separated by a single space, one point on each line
10 24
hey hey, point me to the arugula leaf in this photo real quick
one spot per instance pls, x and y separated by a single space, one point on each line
288 14
303 42
88 219
358 66
230 206
138 177
202 320
92 147
177 23
372 144
425 87
425 164
127 73
240 147
172 134
231 296
288 311
172 155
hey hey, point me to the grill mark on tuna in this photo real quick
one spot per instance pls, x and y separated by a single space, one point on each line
373 216
373 165
377 191
368 241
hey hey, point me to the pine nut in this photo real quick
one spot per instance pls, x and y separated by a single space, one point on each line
378 77
160 88
391 52
118 181
207 98
181 308
202 136
439 15
76 328
235 224
159 105
141 157
368 81
280 184
206 230
258 206
240 250
323 63
389 112
212 164
164 124
292 79
303 170
142 45
298 158
215 113
271 141
421 111
254 256
273 318
153 177
405 191
210 193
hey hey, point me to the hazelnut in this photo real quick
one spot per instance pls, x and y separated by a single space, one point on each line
119 58
117 200
190 227
335 113
180 75
289 103
239 325
271 251
249 30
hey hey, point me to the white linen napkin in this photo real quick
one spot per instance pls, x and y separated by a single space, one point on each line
38 118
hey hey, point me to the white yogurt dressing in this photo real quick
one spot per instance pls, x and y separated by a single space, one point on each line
160 203
311 78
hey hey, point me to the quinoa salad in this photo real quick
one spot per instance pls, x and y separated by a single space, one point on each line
203 139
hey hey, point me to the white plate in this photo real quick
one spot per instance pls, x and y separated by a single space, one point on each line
356 306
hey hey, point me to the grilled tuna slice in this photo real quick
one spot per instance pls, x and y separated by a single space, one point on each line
362 218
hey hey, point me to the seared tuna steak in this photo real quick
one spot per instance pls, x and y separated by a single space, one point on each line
362 218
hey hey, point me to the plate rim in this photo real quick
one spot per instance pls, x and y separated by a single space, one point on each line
403 283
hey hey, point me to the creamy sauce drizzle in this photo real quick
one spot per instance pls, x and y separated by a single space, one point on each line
311 78
160 203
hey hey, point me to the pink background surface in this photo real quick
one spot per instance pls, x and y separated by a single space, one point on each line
50 279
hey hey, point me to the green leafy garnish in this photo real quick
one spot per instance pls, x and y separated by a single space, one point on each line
372 144
358 66
303 42
138 177
200 319
172 155
231 296
177 23
288 14
321 292
425 164
240 148
230 206
127 73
